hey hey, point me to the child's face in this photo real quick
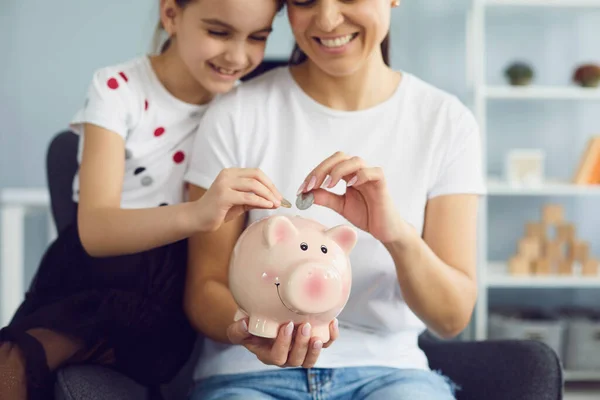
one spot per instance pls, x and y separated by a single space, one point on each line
339 36
220 41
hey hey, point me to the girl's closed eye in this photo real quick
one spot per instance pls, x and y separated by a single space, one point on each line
259 38
218 33
305 3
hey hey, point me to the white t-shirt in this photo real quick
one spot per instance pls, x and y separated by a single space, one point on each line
428 145
157 128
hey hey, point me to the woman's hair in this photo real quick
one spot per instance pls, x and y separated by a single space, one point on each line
182 4
298 56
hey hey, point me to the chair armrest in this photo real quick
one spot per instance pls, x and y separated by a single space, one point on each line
96 383
498 370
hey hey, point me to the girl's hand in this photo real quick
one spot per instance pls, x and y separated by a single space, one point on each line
366 204
291 348
235 191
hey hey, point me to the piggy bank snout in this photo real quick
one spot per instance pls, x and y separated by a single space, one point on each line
313 288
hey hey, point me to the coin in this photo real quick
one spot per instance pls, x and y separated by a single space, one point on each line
285 203
305 200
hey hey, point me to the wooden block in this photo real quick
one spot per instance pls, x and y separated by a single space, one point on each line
565 267
590 267
530 248
565 231
552 214
518 265
578 250
555 250
541 266
535 230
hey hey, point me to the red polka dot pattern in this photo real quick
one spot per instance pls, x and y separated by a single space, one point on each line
113 83
124 76
159 131
145 104
179 157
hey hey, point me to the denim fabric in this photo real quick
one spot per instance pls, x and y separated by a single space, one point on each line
360 383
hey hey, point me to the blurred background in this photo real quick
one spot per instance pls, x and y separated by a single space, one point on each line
49 50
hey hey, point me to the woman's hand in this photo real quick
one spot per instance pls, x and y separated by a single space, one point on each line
235 191
366 204
291 348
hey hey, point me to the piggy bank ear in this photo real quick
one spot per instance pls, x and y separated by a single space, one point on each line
279 229
344 236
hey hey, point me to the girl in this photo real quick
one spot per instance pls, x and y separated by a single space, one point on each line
109 290
377 147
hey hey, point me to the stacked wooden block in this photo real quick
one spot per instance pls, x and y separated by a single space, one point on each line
551 247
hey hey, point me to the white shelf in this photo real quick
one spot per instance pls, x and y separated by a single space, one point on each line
541 92
542 3
497 277
499 187
582 376
30 197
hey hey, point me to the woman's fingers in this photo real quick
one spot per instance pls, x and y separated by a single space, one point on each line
346 169
334 332
238 331
278 354
314 351
318 175
297 355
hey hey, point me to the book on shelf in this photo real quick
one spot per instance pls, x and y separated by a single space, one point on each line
588 170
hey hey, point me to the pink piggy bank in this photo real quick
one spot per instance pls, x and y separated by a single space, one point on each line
286 268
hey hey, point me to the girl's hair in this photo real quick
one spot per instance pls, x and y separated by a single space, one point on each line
182 4
298 56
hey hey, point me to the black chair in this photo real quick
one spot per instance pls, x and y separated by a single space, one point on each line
490 370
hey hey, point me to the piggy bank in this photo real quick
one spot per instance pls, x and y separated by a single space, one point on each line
289 268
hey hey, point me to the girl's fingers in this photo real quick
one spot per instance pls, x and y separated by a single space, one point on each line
249 199
257 174
317 176
252 185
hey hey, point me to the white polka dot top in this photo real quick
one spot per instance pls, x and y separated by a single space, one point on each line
158 130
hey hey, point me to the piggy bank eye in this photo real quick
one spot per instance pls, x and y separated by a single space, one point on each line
304 246
324 249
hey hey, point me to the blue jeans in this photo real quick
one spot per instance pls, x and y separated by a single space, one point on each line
361 383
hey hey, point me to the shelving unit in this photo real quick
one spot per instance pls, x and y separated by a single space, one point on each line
492 274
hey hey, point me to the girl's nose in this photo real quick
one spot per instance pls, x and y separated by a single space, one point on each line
329 15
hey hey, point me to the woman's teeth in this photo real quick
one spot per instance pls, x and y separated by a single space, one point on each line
337 42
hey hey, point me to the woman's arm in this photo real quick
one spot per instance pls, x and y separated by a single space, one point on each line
104 227
437 273
207 301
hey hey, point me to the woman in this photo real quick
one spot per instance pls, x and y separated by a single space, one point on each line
109 289
377 147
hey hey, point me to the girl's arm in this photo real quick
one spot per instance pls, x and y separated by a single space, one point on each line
106 229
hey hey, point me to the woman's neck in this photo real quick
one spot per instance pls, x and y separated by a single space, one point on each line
176 78
371 85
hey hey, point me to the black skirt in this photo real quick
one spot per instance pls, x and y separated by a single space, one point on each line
131 305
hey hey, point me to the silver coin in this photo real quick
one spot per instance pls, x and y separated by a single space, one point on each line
147 181
305 200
